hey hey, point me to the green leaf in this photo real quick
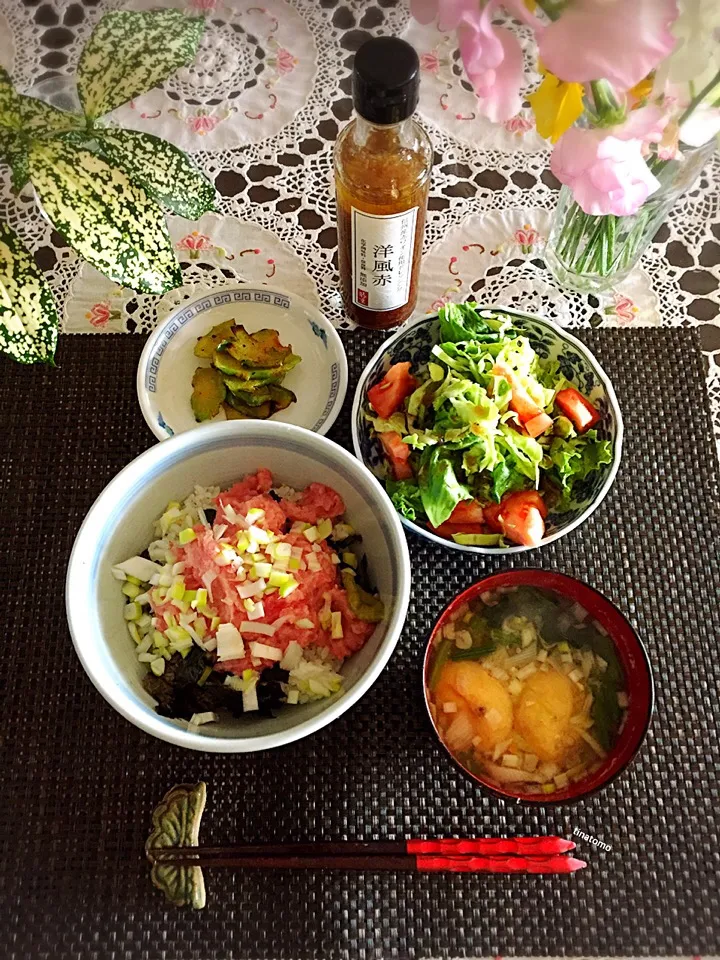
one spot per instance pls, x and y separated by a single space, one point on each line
106 217
405 495
18 160
166 173
28 316
440 489
9 108
41 120
176 823
129 53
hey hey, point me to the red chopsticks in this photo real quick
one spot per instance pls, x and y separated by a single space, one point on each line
478 855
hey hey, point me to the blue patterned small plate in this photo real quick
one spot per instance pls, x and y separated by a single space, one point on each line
168 363
415 341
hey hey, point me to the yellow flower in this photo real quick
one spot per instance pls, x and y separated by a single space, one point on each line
531 4
643 89
556 104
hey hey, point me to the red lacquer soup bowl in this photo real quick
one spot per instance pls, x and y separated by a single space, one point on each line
631 655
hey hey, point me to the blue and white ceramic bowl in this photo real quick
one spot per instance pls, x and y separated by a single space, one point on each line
120 523
415 341
167 363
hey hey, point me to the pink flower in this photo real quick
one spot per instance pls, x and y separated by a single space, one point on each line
194 243
204 5
99 314
202 123
449 13
606 174
518 125
494 64
429 62
527 237
285 61
625 309
619 40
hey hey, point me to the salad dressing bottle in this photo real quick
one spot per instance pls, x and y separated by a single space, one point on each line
382 175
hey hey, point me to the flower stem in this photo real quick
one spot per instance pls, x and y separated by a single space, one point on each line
699 97
607 107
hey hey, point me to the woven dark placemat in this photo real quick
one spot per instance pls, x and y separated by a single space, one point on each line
78 782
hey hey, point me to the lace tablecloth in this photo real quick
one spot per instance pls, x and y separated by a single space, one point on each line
261 108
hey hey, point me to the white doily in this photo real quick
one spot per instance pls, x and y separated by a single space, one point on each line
20 50
253 73
281 183
212 251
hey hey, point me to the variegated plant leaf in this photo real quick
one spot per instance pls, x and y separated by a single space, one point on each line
165 172
176 823
40 119
28 316
129 53
9 108
20 166
106 217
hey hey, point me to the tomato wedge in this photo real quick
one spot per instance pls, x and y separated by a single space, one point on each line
578 408
467 511
537 425
519 516
523 524
530 497
388 396
521 401
491 512
398 454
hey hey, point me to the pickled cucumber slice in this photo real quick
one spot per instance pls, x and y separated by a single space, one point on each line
281 397
208 393
206 346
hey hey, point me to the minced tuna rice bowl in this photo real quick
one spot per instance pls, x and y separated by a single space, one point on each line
248 599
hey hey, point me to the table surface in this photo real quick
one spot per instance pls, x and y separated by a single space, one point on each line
80 782
260 110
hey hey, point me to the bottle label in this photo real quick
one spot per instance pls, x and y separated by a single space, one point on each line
382 255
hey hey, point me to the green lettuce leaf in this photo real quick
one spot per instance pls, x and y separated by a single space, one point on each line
505 479
397 423
461 321
526 454
440 489
405 495
577 457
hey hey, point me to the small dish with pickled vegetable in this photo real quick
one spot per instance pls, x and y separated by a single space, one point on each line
240 352
538 686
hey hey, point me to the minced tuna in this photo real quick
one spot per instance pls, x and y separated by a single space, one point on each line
250 598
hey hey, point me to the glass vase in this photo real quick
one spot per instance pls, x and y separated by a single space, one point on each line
592 253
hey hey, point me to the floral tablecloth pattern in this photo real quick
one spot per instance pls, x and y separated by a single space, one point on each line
261 108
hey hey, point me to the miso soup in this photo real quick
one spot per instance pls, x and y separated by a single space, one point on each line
526 689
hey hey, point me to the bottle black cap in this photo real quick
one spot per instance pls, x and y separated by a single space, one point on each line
386 78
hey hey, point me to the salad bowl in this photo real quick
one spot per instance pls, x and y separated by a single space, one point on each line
576 365
121 520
